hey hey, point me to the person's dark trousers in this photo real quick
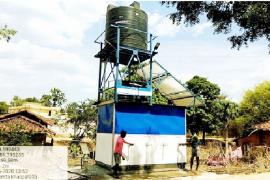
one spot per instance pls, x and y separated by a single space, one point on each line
181 165
116 168
198 163
197 160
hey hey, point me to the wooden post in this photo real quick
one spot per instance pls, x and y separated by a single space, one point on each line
226 140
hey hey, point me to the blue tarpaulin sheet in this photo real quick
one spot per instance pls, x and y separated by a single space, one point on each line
105 119
145 119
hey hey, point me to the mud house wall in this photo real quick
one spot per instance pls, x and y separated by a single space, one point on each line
257 138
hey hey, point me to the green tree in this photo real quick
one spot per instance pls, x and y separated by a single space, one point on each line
73 111
157 97
6 33
55 98
15 136
255 105
202 117
84 117
17 101
225 113
251 17
32 99
46 100
3 108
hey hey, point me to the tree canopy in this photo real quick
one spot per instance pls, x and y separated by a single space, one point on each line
252 18
46 100
55 98
225 112
217 112
200 118
3 107
15 137
32 99
255 106
201 86
84 117
17 101
6 33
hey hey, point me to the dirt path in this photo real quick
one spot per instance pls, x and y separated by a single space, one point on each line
173 175
213 176
99 173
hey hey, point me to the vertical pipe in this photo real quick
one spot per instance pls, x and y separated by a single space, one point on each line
185 141
98 109
191 125
151 61
99 76
117 63
185 122
113 132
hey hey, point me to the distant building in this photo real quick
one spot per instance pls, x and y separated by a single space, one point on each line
61 128
31 123
37 108
259 135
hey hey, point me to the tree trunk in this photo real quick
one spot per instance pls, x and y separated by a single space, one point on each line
203 138
75 129
226 141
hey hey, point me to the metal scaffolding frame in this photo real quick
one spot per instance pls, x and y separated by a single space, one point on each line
113 72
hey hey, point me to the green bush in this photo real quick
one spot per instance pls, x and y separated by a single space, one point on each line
15 137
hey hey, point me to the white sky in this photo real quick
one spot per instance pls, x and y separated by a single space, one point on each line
54 48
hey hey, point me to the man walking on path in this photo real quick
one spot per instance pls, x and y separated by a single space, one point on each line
118 152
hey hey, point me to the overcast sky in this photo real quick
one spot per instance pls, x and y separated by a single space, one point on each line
54 48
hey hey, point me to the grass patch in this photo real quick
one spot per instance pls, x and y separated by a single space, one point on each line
256 162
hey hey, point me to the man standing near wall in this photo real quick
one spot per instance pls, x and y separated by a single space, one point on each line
118 152
194 141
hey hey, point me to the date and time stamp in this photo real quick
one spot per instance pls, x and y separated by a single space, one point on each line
30 163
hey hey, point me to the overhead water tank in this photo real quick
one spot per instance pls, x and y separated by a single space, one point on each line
129 16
